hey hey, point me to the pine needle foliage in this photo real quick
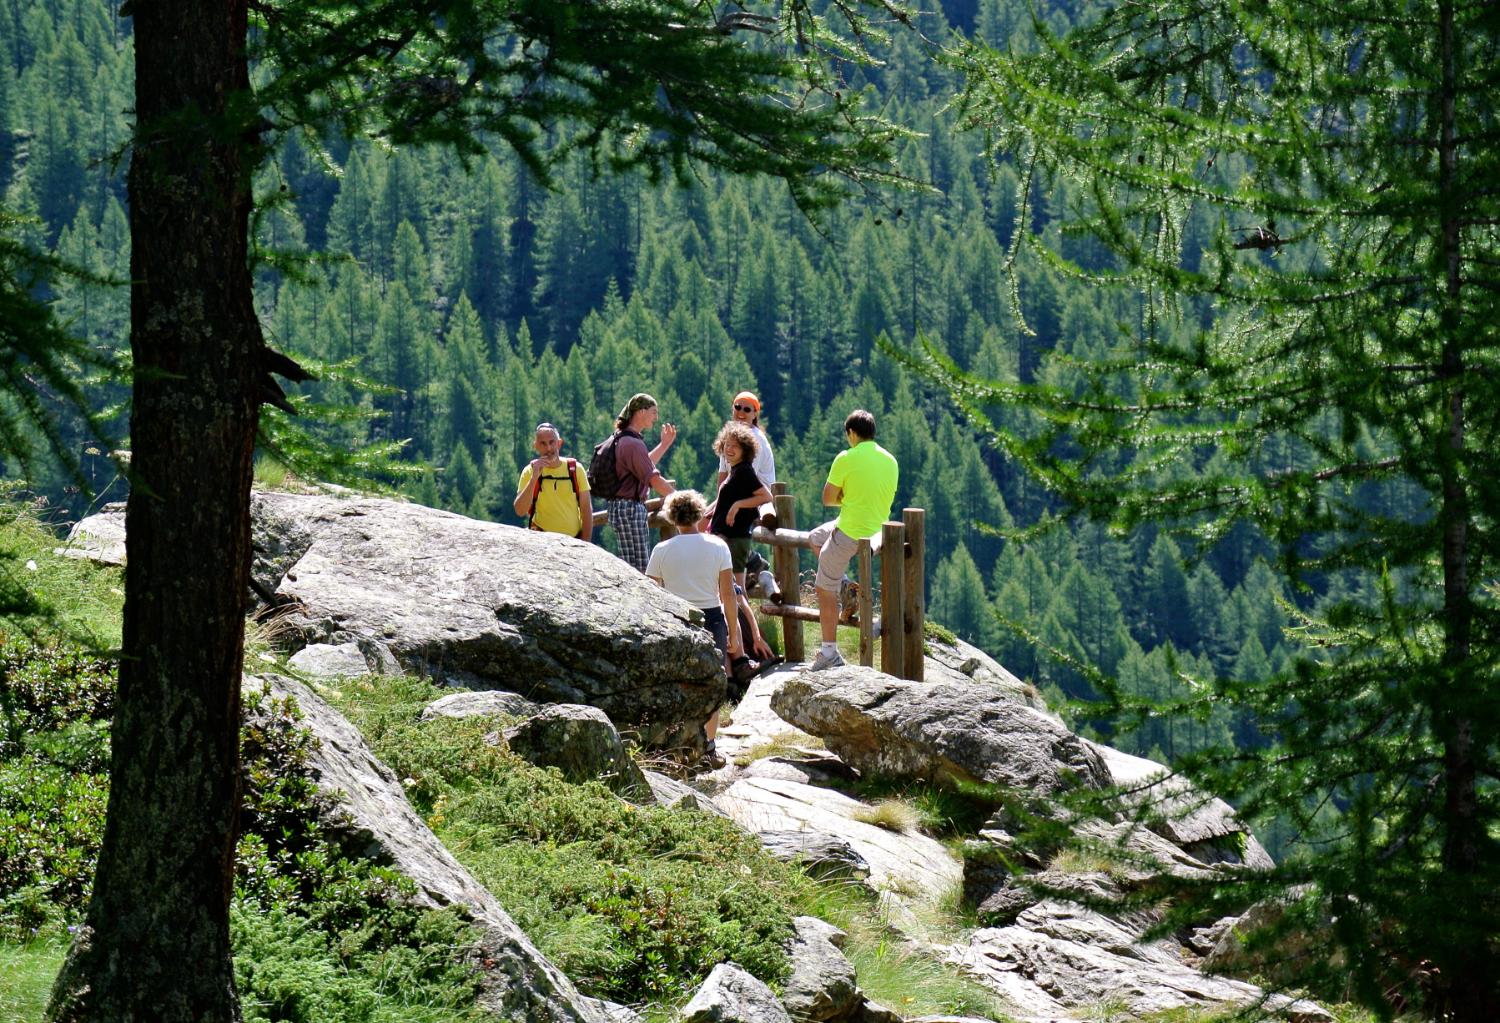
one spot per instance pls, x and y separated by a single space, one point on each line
1323 368
42 365
661 85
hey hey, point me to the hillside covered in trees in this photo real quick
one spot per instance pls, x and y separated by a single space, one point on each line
483 303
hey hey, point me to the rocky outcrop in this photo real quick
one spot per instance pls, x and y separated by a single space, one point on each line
1059 956
964 731
581 743
731 995
1198 824
487 606
961 662
519 982
909 868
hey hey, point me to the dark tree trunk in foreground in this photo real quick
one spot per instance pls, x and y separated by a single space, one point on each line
156 943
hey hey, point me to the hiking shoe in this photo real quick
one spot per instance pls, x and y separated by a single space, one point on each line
711 759
822 661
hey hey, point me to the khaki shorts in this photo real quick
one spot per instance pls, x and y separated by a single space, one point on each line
835 549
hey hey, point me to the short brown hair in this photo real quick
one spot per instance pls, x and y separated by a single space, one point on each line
861 423
741 435
684 508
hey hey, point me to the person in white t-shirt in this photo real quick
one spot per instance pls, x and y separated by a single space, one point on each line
746 411
698 568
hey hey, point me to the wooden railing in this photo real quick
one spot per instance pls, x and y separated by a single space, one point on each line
902 588
902 584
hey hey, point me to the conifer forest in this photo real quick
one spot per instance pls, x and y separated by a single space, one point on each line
448 301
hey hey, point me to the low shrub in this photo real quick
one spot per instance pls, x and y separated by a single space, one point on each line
635 904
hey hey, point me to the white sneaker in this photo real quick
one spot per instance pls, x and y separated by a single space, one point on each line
826 660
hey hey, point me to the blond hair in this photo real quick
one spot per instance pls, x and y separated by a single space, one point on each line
684 508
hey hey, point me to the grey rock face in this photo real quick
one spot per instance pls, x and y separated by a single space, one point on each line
520 984
668 791
488 703
490 607
98 537
322 660
910 868
821 854
889 727
581 743
1058 957
959 662
1205 827
731 995
821 987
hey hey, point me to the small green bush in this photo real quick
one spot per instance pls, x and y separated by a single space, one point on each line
55 699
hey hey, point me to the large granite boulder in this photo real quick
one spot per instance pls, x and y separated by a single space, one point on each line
953 730
487 606
519 982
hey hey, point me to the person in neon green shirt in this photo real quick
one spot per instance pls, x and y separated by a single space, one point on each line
861 485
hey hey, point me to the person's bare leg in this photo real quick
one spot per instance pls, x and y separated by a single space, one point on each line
711 727
828 614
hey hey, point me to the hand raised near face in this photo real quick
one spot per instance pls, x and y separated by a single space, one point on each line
668 433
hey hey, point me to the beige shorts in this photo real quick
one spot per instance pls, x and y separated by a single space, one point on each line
835 549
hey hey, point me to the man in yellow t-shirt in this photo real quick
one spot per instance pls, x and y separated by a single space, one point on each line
553 493
861 485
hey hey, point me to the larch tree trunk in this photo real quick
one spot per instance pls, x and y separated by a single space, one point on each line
155 945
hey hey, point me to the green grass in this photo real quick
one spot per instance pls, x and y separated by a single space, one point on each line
786 744
66 596
26 974
891 971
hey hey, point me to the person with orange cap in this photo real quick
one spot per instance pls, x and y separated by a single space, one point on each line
747 411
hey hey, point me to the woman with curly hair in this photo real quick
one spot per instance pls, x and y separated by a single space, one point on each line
696 567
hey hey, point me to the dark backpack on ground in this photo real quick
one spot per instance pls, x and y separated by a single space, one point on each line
604 480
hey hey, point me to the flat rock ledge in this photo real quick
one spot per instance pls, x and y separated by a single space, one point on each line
520 983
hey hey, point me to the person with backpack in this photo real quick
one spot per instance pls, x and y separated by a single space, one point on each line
623 472
553 494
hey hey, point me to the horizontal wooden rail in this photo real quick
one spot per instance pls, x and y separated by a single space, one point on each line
794 611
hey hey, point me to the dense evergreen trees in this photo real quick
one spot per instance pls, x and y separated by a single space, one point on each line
1300 199
493 303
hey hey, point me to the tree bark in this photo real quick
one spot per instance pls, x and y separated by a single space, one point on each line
155 945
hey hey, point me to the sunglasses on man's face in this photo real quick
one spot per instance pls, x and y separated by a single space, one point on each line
744 408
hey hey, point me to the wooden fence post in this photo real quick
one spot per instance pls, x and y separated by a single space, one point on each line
866 607
913 622
788 574
892 606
